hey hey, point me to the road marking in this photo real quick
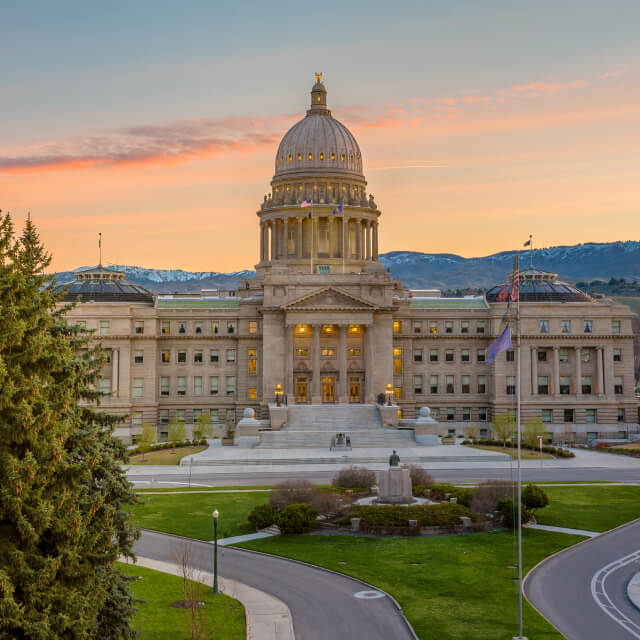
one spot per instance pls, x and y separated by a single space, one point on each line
371 595
600 595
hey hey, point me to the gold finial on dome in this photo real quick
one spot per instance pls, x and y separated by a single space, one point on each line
318 76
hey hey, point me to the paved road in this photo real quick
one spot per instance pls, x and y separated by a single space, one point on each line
582 591
322 604
583 474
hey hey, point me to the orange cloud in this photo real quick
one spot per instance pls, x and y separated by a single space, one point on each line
547 87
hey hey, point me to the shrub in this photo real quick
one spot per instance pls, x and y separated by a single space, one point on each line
355 477
420 476
439 490
432 515
464 496
486 495
261 516
291 492
296 518
534 497
508 510
330 504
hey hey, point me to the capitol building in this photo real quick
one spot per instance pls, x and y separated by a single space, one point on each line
325 323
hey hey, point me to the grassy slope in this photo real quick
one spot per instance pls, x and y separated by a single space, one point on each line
165 456
525 454
190 515
462 587
156 620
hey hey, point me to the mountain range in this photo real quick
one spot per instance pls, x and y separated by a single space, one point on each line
581 262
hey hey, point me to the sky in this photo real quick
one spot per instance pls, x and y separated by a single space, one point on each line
157 123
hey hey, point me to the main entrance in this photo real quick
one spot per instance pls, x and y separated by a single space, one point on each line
302 386
354 389
328 389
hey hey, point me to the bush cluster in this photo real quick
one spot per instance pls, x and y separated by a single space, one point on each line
433 515
620 451
354 477
440 489
262 516
290 492
487 494
168 445
420 476
296 518
554 451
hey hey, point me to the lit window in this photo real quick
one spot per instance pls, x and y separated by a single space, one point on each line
251 393
138 387
165 356
139 326
397 392
253 326
342 157
300 158
215 328
301 353
165 327
397 361
354 352
433 328
397 326
310 156
253 361
290 158
327 352
321 155
333 156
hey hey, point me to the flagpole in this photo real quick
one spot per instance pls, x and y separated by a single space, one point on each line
518 380
531 250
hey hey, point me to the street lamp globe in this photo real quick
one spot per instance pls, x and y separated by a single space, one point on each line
215 514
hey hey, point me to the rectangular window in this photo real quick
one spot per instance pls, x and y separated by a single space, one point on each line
465 355
104 327
616 326
617 355
543 326
547 416
214 414
450 384
215 328
253 326
565 385
466 414
510 355
397 360
181 385
586 384
483 414
165 356
198 357
231 328
568 415
587 326
214 356
302 353
397 326
213 385
139 326
511 385
196 415
480 326
231 385
136 419
138 357
449 355
163 416
417 355
164 386
585 355
620 415
465 383
451 416
252 355
251 393
563 355
81 323
433 384
618 386
104 385
182 327
590 416
435 413
180 415
433 355
481 355
417 385
417 327
397 393
197 385
182 357
565 326
328 352
542 355
231 355
354 352
482 384
464 326
165 327
448 326
543 385
433 327
197 328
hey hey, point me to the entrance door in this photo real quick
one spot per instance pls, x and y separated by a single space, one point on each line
301 390
328 389
354 389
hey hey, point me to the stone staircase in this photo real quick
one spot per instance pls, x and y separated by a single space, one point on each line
313 426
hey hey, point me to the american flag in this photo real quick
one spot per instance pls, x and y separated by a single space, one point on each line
515 279
305 203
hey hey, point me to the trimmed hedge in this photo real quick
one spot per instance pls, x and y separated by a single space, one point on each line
167 445
554 451
439 489
296 518
446 514
619 451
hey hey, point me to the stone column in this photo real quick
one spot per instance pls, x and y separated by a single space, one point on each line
288 365
273 240
299 238
367 235
330 227
375 241
261 241
314 238
316 397
534 371
556 371
578 372
368 365
285 238
343 397
608 370
115 370
600 370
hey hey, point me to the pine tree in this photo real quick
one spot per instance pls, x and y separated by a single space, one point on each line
62 490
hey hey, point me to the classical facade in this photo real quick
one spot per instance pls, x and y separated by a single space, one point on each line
326 321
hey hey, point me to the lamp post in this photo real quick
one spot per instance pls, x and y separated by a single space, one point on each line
389 393
215 551
540 438
279 393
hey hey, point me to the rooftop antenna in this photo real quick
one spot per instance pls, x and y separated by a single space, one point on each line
100 249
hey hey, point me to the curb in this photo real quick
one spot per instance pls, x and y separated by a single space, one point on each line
633 590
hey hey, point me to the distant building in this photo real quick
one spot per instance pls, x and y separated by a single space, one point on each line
326 321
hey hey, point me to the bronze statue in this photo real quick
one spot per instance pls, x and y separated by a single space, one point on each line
394 459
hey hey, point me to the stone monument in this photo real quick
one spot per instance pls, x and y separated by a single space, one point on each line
426 429
247 430
394 483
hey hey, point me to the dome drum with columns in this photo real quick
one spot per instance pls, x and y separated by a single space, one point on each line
319 161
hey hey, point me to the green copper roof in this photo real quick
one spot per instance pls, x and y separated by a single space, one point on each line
195 303
447 303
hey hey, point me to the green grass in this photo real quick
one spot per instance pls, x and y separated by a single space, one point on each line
223 617
190 515
590 508
461 588
143 489
164 456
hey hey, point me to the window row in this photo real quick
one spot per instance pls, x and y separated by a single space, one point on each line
571 326
327 352
433 327
586 385
568 415
447 384
214 327
199 357
437 355
464 414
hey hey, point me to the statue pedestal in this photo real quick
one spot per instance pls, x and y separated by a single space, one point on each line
395 486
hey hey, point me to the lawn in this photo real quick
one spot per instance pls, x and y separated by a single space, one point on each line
165 456
591 508
223 617
449 587
190 515
196 488
525 454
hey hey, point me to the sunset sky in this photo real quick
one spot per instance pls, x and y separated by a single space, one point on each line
157 123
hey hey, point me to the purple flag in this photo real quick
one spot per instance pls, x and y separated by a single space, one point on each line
502 343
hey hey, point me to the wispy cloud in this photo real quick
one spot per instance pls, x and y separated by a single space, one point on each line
547 87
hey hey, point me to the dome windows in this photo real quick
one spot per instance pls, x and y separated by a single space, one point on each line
333 156
290 158
321 155
281 160
342 157
299 156
310 156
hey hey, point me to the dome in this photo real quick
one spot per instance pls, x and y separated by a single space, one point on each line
541 286
318 144
100 284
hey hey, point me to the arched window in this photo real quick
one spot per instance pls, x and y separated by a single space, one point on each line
321 155
342 157
333 156
310 156
299 156
281 160
290 158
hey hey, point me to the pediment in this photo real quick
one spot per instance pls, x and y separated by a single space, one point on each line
329 298
301 367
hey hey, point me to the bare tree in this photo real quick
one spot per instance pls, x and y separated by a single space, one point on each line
192 589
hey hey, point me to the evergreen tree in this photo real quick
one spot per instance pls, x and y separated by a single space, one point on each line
62 490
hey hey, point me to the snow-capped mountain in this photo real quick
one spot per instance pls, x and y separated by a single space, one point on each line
587 261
